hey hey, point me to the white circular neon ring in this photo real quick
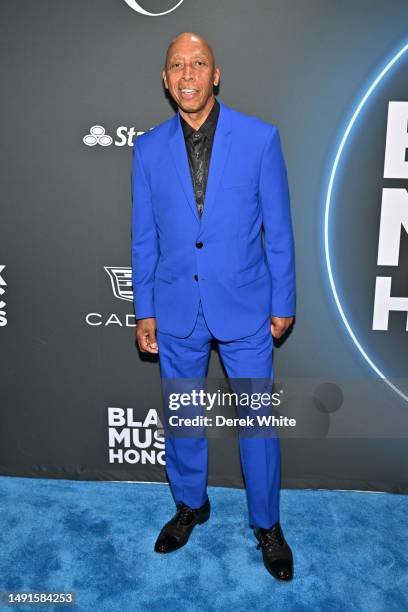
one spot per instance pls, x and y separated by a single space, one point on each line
136 7
343 141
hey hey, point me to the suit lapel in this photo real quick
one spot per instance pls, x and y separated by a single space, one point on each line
179 154
219 154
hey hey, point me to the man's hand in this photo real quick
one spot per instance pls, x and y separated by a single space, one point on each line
279 325
146 335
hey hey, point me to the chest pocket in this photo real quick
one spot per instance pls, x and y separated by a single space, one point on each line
238 183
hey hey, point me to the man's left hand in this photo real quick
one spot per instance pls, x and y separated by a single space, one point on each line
279 325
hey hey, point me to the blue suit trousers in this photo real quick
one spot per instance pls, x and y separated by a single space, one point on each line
187 458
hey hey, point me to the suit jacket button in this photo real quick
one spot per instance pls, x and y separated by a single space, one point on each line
195 277
199 245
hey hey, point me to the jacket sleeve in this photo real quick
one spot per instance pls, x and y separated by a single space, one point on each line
145 246
277 222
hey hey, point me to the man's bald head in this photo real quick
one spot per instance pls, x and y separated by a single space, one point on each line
190 75
189 38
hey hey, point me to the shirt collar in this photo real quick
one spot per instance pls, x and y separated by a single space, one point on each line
207 127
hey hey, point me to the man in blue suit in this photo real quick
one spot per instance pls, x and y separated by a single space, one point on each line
204 184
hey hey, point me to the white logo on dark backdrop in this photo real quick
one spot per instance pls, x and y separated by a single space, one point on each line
121 281
139 9
394 215
121 285
135 441
3 317
366 224
97 136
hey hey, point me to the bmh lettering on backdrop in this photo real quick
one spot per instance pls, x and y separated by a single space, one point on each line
135 441
394 214
3 316
139 9
366 224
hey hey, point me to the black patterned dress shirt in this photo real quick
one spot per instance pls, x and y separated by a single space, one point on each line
199 146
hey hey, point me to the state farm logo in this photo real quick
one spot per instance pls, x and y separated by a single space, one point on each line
97 136
3 317
120 281
136 6
366 225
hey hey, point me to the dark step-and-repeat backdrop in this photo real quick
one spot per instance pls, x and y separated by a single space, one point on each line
80 81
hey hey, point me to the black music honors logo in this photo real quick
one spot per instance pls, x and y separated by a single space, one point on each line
394 215
135 440
366 225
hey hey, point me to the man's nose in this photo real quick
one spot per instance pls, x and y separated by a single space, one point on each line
187 72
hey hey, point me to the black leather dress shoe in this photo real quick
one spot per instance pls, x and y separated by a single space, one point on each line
176 532
276 553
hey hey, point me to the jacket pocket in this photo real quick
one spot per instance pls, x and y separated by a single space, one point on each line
251 274
164 274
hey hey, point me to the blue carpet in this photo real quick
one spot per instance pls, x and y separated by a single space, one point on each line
96 539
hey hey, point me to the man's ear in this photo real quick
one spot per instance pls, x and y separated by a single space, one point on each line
217 75
165 79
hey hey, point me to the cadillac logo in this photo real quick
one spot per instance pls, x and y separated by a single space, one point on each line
121 281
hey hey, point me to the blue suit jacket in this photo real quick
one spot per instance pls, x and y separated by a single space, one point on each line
242 279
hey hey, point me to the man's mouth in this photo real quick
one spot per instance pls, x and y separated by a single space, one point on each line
188 92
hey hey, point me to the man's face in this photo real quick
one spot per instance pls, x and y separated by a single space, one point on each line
190 74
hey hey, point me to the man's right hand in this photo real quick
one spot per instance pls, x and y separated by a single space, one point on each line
146 335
